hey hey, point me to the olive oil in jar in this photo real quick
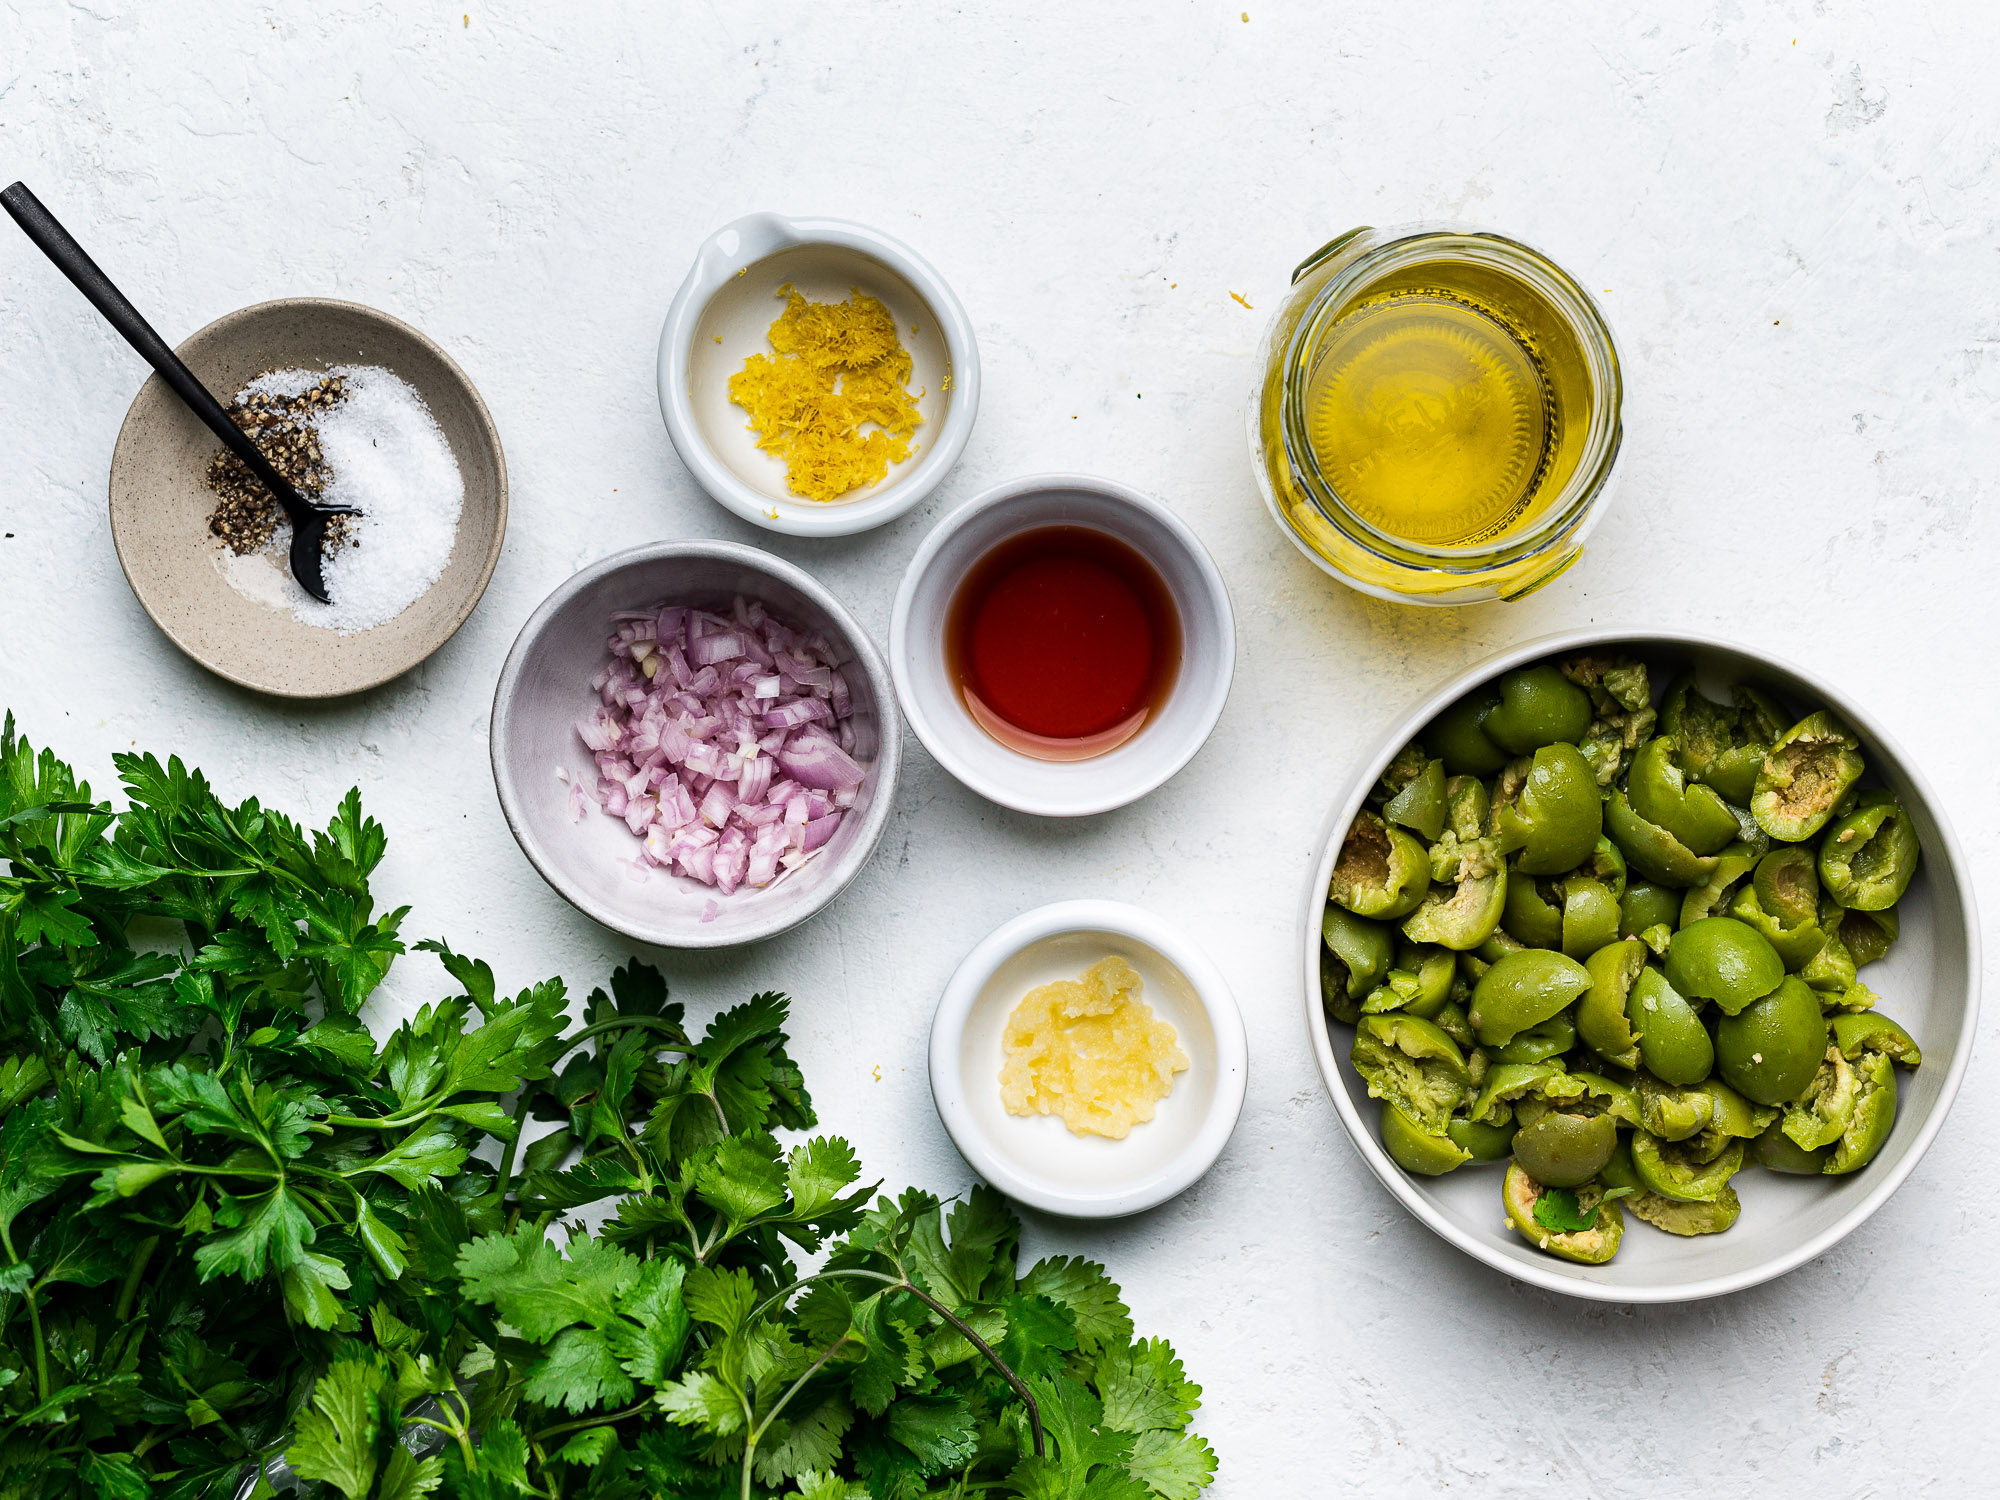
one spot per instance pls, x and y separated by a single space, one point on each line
1435 404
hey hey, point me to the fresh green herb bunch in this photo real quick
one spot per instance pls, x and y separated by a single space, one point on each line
234 1228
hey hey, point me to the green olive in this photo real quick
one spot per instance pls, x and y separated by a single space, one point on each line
1434 969
1466 807
1733 1115
1420 805
1507 1082
1456 738
1600 1017
1592 1247
1538 706
1777 1152
1523 990
1721 959
1787 886
1532 916
1383 871
1413 1065
1606 866
1832 968
1872 1031
1668 1168
1820 1116
1565 1150
1661 794
1355 955
1415 1149
1647 905
1711 898
1678 1217
1770 1050
1618 1171
1868 857
1720 745
1806 777
1462 917
1481 1141
1543 1040
1673 1114
1874 1115
1556 817
1607 1095
1867 935
1589 916
1673 1043
1650 850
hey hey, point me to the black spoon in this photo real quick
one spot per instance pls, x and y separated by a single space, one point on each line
308 520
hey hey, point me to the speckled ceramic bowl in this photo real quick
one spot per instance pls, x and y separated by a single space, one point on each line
1929 982
160 503
545 688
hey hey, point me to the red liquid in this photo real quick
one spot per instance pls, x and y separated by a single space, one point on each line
1063 642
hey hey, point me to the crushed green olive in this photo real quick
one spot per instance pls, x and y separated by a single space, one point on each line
1806 777
1618 948
1383 871
1867 858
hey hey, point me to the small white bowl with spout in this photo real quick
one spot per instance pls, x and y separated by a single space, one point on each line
722 315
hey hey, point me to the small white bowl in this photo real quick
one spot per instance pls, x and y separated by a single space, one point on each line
937 711
1035 1159
545 688
721 316
1929 982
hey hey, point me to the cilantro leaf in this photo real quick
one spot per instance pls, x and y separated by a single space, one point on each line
1558 1210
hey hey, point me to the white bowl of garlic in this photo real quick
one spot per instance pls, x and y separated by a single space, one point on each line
1173 1083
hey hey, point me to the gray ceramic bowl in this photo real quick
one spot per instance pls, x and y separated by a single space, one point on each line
545 688
160 503
1929 982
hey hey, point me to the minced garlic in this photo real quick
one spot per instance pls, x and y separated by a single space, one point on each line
836 369
1090 1051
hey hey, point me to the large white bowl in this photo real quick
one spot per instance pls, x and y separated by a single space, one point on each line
1929 982
936 709
721 315
545 688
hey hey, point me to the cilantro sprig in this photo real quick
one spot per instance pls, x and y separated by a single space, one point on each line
506 1251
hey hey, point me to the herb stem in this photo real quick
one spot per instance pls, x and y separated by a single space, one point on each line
34 1319
637 1409
757 1433
129 1292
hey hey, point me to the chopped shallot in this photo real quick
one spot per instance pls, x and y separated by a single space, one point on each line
723 742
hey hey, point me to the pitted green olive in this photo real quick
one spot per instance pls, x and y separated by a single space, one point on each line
1711 898
1721 959
1413 1065
1589 916
1555 818
1590 1247
1874 1116
1456 738
1832 968
1462 917
1777 1152
1770 1050
1794 945
1538 706
1523 990
1565 1150
1867 935
1821 1115
1673 1114
1601 1019
1871 1031
1607 1095
1650 850
1383 871
1806 777
1533 915
1868 857
1434 969
1787 886
1415 1149
1606 866
1355 955
1481 1141
1721 745
1545 1039
1466 807
1675 1216
1661 794
1734 1115
1507 1082
1420 805
1618 1171
1669 1169
1673 1043
1647 905
1451 1021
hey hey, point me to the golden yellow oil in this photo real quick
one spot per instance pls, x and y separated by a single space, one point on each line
1436 407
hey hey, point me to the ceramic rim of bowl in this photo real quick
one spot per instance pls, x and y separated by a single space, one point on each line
1545 1272
735 248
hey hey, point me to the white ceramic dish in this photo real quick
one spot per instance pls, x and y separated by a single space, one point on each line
721 315
932 701
1035 1159
545 688
1929 982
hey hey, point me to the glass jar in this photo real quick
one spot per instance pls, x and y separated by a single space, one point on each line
1561 351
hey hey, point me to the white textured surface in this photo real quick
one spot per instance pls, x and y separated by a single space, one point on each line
1795 210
